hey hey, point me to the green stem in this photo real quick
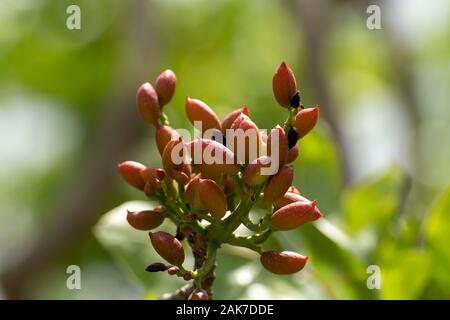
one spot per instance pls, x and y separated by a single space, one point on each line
261 237
255 227
288 123
210 261
245 242
164 119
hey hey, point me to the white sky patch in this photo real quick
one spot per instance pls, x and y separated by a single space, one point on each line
34 133
377 134
413 20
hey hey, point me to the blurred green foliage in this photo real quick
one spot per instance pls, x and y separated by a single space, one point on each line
57 87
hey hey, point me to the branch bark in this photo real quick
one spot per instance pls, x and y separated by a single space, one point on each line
198 244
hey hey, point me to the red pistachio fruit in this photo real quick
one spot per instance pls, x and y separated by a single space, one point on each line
252 174
229 185
245 139
212 156
149 173
305 120
278 184
152 178
284 85
199 294
192 195
212 198
292 154
165 86
294 215
131 173
152 187
175 162
187 277
163 135
146 219
290 197
148 104
229 118
168 247
197 110
283 262
172 271
279 137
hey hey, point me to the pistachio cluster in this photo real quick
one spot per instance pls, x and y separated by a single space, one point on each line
208 186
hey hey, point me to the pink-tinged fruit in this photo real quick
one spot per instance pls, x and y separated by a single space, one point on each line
146 219
168 247
284 85
148 104
283 262
294 215
305 120
165 86
131 173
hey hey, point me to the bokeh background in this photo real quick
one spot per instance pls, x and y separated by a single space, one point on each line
378 162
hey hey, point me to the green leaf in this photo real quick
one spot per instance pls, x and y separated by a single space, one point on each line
132 251
437 229
373 202
406 276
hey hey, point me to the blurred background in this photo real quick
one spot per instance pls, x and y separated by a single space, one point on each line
378 162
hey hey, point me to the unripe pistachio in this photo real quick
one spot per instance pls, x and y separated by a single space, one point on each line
231 117
210 171
165 86
284 85
172 271
197 110
278 184
212 197
245 139
288 198
148 104
252 174
278 136
294 215
192 195
283 262
146 219
292 154
150 188
199 294
130 172
168 247
212 154
187 277
229 185
175 161
305 120
163 135
156 267
149 173
152 178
